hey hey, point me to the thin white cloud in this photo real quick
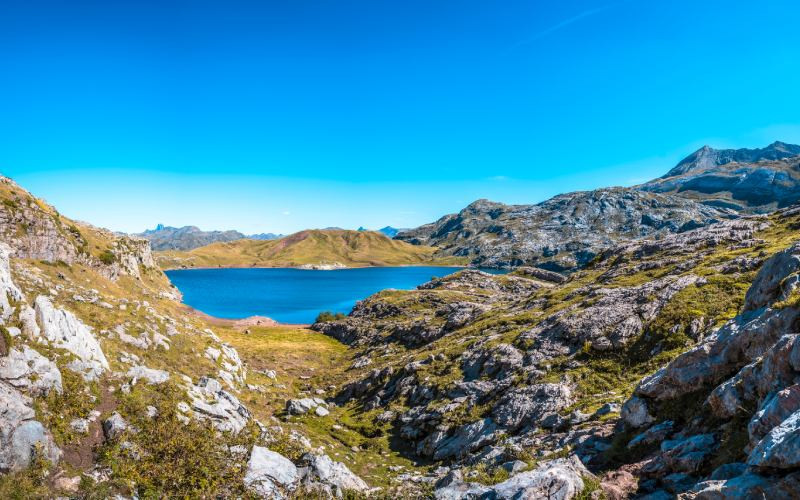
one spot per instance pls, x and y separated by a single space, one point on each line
562 24
286 212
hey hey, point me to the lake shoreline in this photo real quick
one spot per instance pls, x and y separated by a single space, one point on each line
300 268
289 296
240 323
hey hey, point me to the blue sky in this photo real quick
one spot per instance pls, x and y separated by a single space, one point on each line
277 116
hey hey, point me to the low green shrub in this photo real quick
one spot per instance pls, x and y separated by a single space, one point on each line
107 257
326 316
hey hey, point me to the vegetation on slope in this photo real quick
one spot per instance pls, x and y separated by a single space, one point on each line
308 248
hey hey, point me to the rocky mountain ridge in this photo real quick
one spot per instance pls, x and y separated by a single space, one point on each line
566 232
708 157
563 233
746 180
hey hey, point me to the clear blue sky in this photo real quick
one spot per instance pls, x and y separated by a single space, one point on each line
281 115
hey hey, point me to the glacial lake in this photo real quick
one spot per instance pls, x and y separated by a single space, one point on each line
292 295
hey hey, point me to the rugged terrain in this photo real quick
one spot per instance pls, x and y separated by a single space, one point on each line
563 233
567 231
317 248
189 237
667 367
108 387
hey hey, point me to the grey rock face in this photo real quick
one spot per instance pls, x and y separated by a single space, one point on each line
64 330
45 237
321 470
20 434
7 287
497 362
560 479
654 434
465 439
781 447
748 485
608 319
776 280
304 405
744 179
269 473
562 233
28 370
114 426
774 410
529 405
687 454
209 401
150 375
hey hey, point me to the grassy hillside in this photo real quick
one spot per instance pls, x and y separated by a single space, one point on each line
311 248
84 270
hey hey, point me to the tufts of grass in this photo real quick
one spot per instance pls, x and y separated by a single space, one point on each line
28 483
166 458
57 410
6 341
107 257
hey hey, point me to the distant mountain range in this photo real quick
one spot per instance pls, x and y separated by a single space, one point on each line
189 237
568 231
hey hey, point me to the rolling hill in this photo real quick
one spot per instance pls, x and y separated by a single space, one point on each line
316 248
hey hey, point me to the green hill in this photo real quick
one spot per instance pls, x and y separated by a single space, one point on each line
328 247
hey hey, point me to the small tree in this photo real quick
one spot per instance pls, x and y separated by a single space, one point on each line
326 316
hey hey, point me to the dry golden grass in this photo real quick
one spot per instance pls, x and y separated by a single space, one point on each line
313 247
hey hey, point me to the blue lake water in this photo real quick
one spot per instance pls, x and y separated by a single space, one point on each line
291 295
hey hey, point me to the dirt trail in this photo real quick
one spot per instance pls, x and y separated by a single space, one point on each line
82 455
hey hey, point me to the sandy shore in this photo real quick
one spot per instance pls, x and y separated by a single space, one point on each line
239 324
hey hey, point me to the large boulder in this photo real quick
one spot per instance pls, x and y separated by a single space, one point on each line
114 426
269 473
322 470
776 280
150 375
560 479
746 486
528 405
781 447
465 439
8 290
210 402
20 434
64 330
28 370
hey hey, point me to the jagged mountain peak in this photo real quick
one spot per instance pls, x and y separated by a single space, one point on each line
747 180
708 157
